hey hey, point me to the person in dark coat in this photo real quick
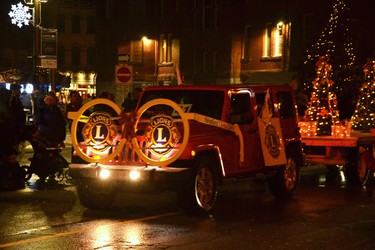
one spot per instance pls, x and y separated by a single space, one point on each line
7 132
51 121
18 116
11 174
73 106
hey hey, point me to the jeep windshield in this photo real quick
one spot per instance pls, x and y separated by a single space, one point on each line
204 102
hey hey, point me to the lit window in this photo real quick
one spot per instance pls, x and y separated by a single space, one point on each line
165 48
273 40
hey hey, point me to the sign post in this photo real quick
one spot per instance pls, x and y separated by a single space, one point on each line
48 57
123 74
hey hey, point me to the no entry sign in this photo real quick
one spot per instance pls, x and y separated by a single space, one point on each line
123 74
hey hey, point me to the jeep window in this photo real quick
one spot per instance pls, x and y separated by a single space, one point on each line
287 108
240 110
204 102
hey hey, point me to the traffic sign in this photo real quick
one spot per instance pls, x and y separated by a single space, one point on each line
123 74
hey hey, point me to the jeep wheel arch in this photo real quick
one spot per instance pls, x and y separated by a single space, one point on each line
200 193
285 182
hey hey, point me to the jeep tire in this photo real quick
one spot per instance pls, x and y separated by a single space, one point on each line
199 195
95 194
285 182
356 170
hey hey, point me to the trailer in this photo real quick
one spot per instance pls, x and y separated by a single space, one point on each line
355 153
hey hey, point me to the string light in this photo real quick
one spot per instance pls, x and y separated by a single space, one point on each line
363 118
334 58
337 29
322 108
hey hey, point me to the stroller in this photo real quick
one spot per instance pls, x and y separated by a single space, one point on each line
46 161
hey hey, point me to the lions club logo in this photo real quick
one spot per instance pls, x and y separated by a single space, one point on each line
161 135
99 131
272 141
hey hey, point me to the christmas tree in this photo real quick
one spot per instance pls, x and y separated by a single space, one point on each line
335 43
364 114
323 103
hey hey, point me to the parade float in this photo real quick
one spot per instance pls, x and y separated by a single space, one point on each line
334 142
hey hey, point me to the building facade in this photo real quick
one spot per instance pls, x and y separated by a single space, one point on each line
69 47
76 53
166 42
211 41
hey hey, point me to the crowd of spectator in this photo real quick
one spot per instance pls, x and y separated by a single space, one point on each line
19 112
47 118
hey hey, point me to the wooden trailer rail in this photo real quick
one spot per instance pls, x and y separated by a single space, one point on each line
329 150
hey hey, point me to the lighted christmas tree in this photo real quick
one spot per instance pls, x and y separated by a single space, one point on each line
363 118
323 103
335 43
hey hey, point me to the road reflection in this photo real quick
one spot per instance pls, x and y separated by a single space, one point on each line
155 221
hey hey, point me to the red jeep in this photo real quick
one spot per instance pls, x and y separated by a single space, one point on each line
188 139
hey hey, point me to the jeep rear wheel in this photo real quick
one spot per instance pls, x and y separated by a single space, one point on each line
96 194
364 174
357 171
199 196
285 182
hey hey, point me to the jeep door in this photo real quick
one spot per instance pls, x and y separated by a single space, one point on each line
243 114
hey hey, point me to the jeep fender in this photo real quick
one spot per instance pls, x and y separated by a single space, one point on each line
296 147
214 153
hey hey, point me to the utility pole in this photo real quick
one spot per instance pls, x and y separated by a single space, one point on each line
37 22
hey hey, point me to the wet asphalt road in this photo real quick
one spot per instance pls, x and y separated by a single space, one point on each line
326 213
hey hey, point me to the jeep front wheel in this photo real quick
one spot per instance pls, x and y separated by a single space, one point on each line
96 194
199 196
285 182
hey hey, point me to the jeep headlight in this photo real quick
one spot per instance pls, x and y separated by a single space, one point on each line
104 174
134 175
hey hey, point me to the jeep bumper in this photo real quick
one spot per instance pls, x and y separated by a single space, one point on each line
133 176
